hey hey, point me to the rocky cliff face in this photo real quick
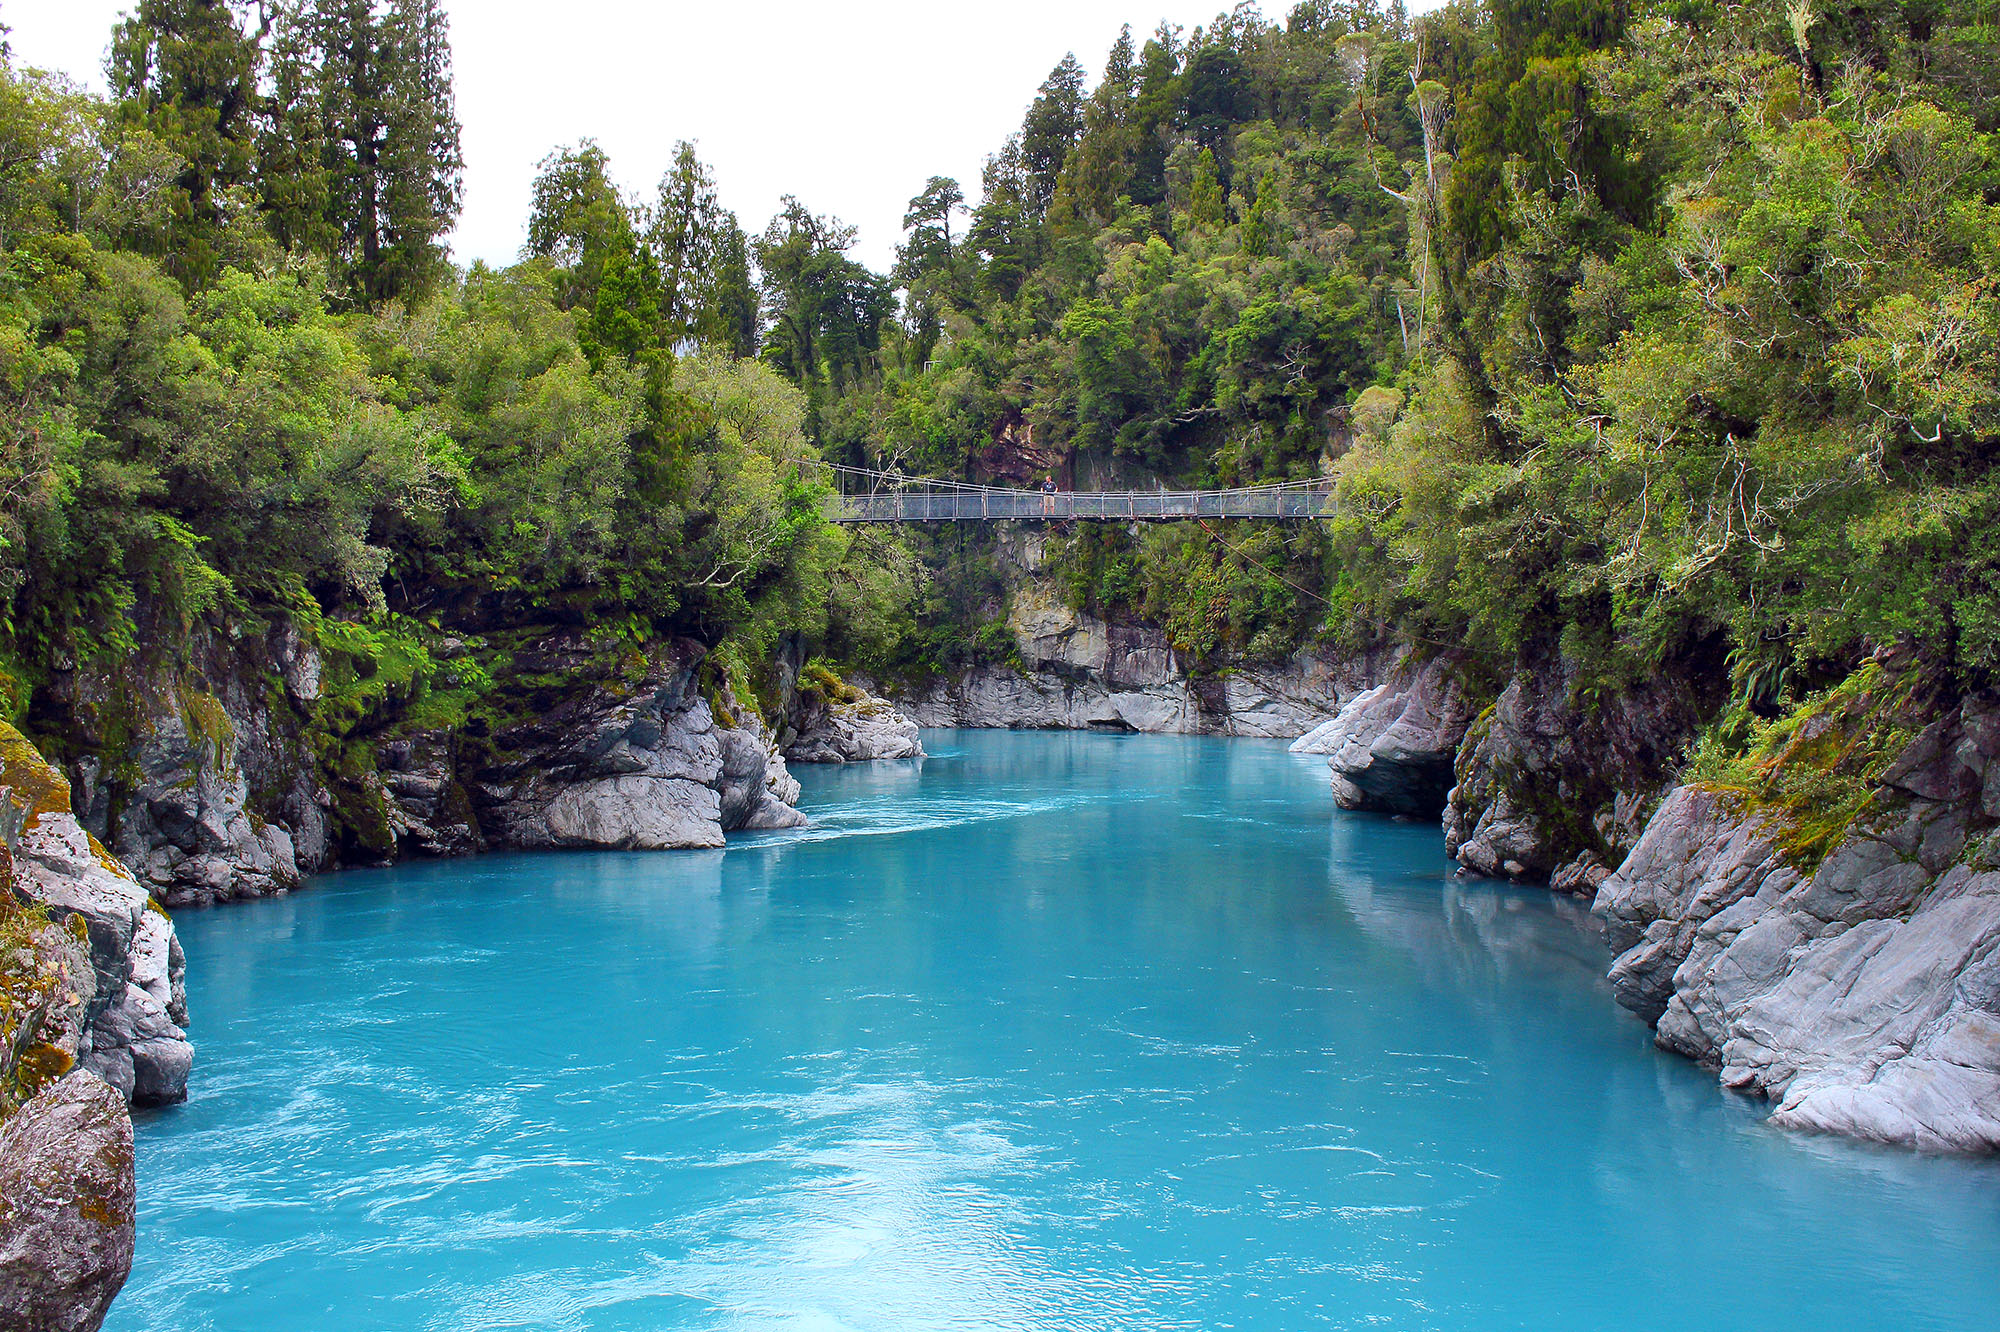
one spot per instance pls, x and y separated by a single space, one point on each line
1550 782
642 763
219 780
1079 672
1860 992
93 969
198 775
1391 748
1863 997
91 1013
1541 782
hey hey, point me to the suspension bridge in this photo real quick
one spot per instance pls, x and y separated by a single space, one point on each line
864 496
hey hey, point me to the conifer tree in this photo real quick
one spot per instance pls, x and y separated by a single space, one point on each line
363 111
1050 131
728 317
185 71
578 221
687 236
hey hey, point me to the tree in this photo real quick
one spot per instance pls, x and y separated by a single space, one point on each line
1098 167
692 239
1004 226
1528 98
927 263
823 311
1154 107
1054 122
729 313
927 223
578 221
185 71
1216 96
381 136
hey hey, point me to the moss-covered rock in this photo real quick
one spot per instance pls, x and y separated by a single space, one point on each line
66 1207
90 970
1819 769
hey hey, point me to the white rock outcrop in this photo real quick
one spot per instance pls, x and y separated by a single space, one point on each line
124 1016
1392 747
1863 998
861 730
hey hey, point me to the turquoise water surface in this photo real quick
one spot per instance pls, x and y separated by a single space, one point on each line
1048 1032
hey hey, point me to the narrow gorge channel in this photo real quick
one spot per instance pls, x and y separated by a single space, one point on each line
1046 1031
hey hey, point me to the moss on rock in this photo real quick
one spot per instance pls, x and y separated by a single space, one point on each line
1815 771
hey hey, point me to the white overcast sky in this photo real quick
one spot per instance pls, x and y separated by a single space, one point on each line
850 107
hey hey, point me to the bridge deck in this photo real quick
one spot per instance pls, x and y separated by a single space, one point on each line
988 505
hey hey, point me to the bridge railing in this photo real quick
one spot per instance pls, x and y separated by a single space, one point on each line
973 505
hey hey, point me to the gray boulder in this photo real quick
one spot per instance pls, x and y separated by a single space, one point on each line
66 1207
1863 998
852 731
1391 748
636 813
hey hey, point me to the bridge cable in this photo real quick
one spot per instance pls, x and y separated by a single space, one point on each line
1218 538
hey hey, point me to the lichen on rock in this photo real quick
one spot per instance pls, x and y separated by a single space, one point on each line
66 1207
102 982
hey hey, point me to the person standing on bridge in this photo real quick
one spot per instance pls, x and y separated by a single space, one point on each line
1049 496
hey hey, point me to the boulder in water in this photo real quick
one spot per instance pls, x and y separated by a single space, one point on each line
66 1207
1391 748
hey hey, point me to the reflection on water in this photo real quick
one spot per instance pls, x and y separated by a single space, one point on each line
1049 1032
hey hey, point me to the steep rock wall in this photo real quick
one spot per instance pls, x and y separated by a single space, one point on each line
94 970
1079 672
198 772
218 777
1863 997
1553 782
639 762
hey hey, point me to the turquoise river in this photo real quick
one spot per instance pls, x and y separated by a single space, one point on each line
1046 1032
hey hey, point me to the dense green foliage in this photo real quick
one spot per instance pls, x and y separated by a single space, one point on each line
1189 274
1733 384
1663 332
241 387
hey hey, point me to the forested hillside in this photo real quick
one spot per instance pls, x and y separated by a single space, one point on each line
244 384
1659 336
1652 330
